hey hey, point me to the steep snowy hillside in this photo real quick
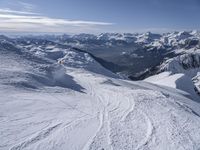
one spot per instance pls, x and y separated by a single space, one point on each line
181 72
56 98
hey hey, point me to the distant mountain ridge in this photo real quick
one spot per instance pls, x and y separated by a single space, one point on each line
127 51
135 56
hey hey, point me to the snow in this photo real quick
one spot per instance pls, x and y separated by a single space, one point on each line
78 104
164 78
179 81
180 72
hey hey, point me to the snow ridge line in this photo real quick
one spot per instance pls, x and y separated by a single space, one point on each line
187 108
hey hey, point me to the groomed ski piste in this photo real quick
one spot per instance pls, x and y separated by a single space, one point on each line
73 103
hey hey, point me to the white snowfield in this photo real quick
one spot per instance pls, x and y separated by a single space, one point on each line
66 107
181 72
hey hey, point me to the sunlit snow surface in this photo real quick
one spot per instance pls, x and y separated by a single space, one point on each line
77 104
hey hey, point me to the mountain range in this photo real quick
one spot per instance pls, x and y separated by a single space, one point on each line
61 92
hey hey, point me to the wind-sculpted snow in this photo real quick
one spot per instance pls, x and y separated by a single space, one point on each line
27 70
180 72
71 102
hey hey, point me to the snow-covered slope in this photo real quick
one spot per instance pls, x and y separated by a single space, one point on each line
71 102
180 72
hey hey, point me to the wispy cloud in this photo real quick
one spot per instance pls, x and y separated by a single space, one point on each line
22 21
9 11
19 5
26 6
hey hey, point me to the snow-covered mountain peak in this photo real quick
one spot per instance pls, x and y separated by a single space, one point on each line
147 37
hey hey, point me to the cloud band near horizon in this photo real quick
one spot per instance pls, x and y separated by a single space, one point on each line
21 21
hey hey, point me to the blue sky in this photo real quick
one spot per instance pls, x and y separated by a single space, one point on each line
95 16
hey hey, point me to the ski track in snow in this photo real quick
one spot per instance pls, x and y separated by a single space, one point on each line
119 115
110 118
